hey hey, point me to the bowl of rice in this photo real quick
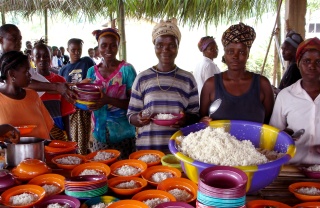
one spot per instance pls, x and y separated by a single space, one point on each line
52 183
166 119
68 161
93 168
58 201
100 201
258 149
126 185
129 167
151 157
312 171
22 196
156 174
152 198
107 156
184 190
306 191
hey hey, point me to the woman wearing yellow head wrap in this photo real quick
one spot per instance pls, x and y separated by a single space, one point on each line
245 95
163 88
298 106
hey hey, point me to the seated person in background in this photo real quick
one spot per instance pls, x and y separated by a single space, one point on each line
206 67
298 106
20 106
8 132
57 106
245 95
289 49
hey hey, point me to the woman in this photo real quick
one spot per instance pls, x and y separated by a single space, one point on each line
206 67
298 106
111 129
19 105
163 88
245 95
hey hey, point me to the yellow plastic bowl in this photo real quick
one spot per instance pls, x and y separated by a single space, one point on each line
171 161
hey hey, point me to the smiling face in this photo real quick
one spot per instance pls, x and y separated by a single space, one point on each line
309 65
236 56
42 58
166 48
11 41
108 47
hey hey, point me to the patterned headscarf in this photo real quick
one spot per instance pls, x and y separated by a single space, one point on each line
293 38
307 45
104 32
239 33
168 27
204 42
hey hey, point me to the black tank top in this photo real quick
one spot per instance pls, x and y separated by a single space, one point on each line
246 107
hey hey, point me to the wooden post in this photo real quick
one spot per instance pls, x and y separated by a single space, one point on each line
3 17
295 13
122 31
46 25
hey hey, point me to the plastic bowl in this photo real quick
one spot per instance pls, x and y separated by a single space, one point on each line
99 199
261 135
89 87
49 179
179 183
25 129
309 173
113 182
159 168
60 199
131 162
171 161
151 194
128 203
174 205
308 205
166 122
293 187
140 153
7 180
66 166
17 190
100 167
81 106
30 168
265 203
90 157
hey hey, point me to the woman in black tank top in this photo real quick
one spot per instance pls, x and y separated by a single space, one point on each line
245 95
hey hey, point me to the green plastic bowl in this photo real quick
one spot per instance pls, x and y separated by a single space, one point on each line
171 161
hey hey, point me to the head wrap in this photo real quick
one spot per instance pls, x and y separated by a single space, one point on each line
168 27
293 38
307 45
204 42
239 33
104 32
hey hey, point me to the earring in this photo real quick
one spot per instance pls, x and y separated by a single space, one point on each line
13 79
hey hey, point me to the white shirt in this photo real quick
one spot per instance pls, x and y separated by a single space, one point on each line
97 60
55 62
295 109
205 68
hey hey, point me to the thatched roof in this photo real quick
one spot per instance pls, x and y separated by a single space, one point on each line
192 12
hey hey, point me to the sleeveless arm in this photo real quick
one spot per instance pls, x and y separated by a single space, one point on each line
206 97
266 97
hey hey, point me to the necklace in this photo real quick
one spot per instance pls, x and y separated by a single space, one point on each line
175 73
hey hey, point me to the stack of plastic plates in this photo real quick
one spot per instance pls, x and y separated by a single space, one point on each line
222 186
85 187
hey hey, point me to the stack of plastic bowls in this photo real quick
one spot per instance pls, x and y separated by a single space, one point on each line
87 93
222 186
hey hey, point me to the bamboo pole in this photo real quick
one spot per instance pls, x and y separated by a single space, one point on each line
46 25
122 31
3 17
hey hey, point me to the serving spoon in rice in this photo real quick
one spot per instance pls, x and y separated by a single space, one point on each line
214 106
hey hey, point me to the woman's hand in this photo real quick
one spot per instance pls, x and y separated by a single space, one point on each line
144 118
205 119
181 122
8 132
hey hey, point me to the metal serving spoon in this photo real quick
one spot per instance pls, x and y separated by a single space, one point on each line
214 106
296 135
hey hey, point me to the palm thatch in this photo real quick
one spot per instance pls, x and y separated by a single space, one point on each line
192 12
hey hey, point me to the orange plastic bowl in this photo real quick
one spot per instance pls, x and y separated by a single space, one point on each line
159 168
131 162
49 179
265 203
152 194
308 205
100 167
128 203
304 197
62 144
180 183
30 168
90 157
113 182
17 190
141 153
25 129
66 166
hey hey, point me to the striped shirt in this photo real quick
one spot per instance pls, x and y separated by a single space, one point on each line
178 93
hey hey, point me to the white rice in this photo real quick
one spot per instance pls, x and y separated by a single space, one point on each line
313 191
180 194
101 155
315 168
127 170
128 185
101 205
215 146
23 199
69 160
90 172
57 205
160 176
165 116
51 189
149 158
155 201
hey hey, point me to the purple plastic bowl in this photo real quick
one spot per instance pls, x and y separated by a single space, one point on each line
89 87
86 178
61 199
7 180
310 174
174 205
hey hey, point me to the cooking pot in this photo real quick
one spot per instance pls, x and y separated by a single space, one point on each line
27 147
